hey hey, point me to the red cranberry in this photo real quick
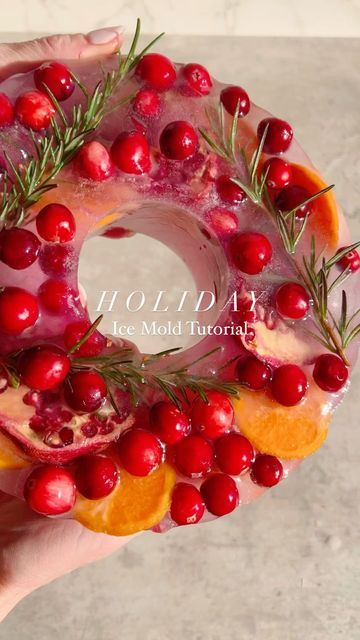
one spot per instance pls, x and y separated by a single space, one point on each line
147 103
96 476
179 140
194 456
187 505
288 384
214 417
19 248
220 494
228 191
278 173
351 260
222 221
197 78
266 470
55 223
18 310
330 372
57 259
50 490
93 161
291 198
56 296
279 135
85 391
251 252
34 110
253 373
168 422
233 96
94 345
234 453
140 451
156 70
130 153
43 367
6 111
292 300
56 77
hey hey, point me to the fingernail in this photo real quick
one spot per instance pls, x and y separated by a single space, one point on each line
105 36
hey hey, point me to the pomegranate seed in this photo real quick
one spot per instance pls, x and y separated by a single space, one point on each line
131 153
34 110
187 504
220 494
89 429
350 260
19 248
56 296
267 471
233 96
330 372
55 223
194 456
222 221
234 453
253 373
212 418
94 345
18 310
6 111
168 422
279 135
291 198
57 259
292 300
93 161
50 490
43 367
38 423
197 78
96 476
56 77
179 140
147 103
288 384
140 451
67 436
278 173
156 70
251 252
85 391
32 399
228 191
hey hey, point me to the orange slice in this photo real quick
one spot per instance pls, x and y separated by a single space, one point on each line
11 456
136 504
286 432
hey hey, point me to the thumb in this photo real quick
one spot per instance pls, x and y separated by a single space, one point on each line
22 56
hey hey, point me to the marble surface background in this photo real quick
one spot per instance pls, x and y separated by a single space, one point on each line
287 566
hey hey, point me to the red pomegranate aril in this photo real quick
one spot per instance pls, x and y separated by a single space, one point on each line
56 77
278 137
131 153
6 111
147 103
266 471
57 259
96 476
222 221
234 97
179 140
89 429
140 451
278 173
220 494
85 391
212 418
289 384
50 490
156 70
251 252
253 373
330 372
19 248
93 161
291 198
169 423
43 367
18 310
228 191
197 78
55 223
234 454
56 296
34 110
187 504
292 300
194 456
93 346
66 436
351 260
